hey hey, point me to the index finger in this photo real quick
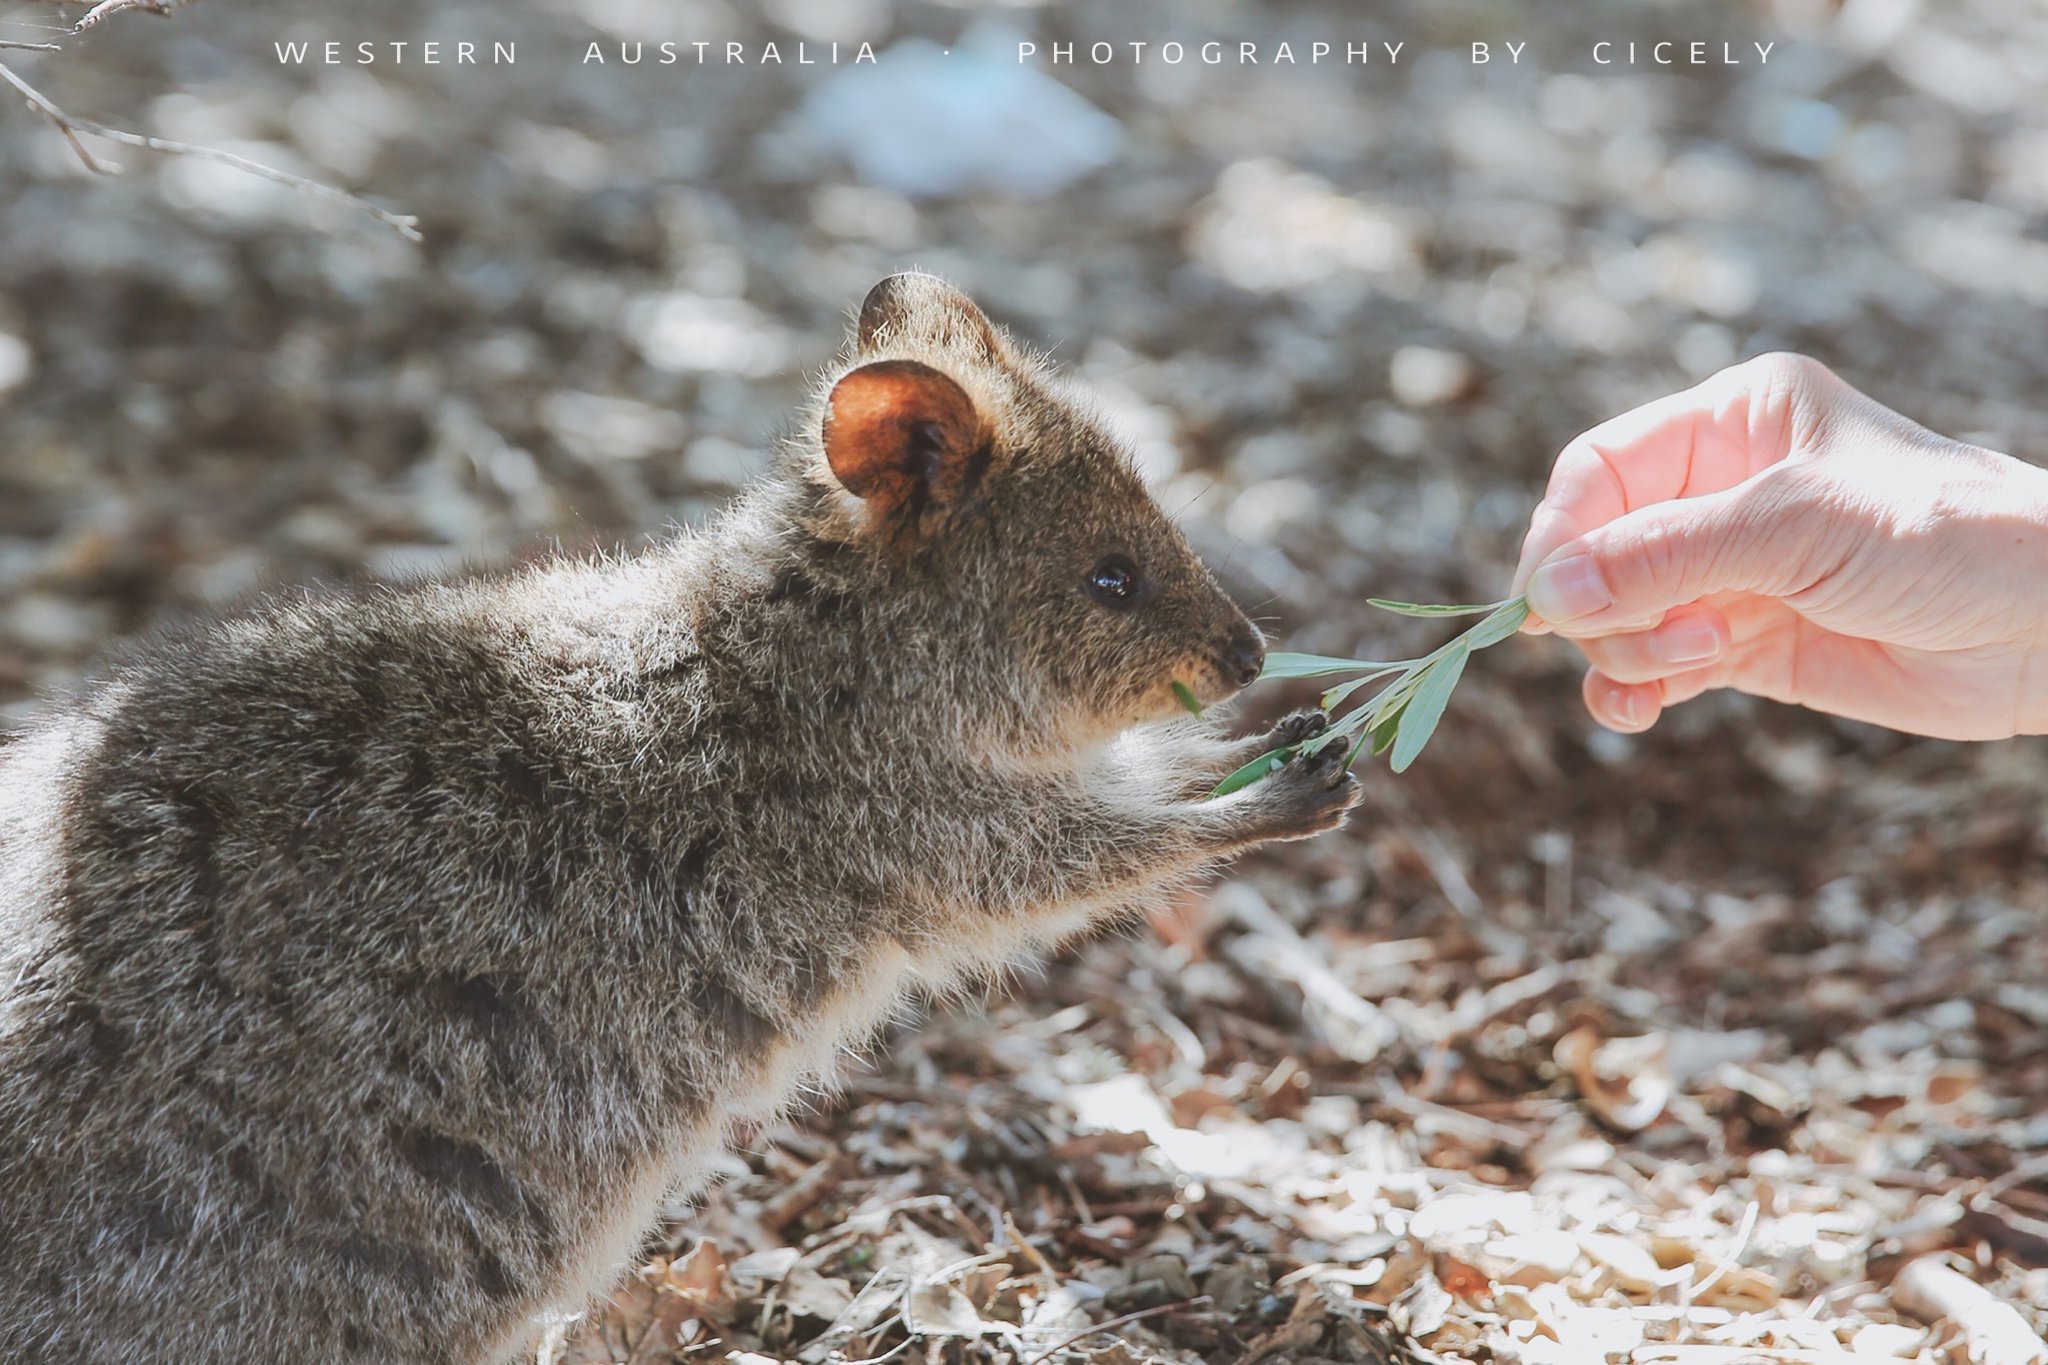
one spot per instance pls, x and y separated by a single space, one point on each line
1702 440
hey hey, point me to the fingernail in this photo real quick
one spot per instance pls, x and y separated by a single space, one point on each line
1624 706
1566 589
1688 640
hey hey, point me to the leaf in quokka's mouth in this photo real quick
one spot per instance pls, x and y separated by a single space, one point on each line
1187 697
1399 717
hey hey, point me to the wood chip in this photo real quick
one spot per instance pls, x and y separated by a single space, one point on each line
1994 1329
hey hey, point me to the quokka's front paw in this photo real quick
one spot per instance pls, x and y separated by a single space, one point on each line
1309 795
1295 728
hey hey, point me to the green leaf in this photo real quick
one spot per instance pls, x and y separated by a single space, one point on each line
1419 719
1387 702
1187 697
1285 665
1403 715
1382 735
1420 609
1265 764
1336 695
1339 732
1505 621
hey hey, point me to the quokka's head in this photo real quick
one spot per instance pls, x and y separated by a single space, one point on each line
954 457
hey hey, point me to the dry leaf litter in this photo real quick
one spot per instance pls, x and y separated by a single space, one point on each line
1722 1044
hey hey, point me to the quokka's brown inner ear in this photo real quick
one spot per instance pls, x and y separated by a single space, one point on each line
903 437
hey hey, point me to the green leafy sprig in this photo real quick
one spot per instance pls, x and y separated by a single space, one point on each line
1400 716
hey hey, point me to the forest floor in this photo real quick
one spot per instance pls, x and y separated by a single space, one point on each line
1726 1043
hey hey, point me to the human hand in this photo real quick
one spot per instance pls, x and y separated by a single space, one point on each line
1775 531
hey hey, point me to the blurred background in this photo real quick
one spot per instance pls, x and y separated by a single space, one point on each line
1346 315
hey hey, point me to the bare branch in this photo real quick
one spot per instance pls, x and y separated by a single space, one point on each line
63 121
30 47
406 225
107 9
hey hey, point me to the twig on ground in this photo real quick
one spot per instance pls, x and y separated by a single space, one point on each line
890 1354
1124 1321
799 1195
1478 1011
2033 1168
1272 948
1444 865
1031 1253
1728 1263
1387 1091
71 126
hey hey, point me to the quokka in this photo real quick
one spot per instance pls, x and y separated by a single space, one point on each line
373 965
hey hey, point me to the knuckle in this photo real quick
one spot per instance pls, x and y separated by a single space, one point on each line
1793 397
1659 562
1781 521
1787 371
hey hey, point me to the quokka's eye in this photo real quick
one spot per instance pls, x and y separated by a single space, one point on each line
1115 582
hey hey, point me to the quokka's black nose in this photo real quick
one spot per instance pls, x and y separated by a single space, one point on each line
1244 657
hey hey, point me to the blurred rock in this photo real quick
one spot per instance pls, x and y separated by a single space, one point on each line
595 428
929 122
1270 227
1425 376
17 361
685 333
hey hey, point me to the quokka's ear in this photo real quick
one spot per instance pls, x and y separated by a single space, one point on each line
914 308
904 439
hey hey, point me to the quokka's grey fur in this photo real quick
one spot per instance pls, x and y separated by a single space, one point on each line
372 966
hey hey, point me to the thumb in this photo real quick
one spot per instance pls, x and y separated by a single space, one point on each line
1755 537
